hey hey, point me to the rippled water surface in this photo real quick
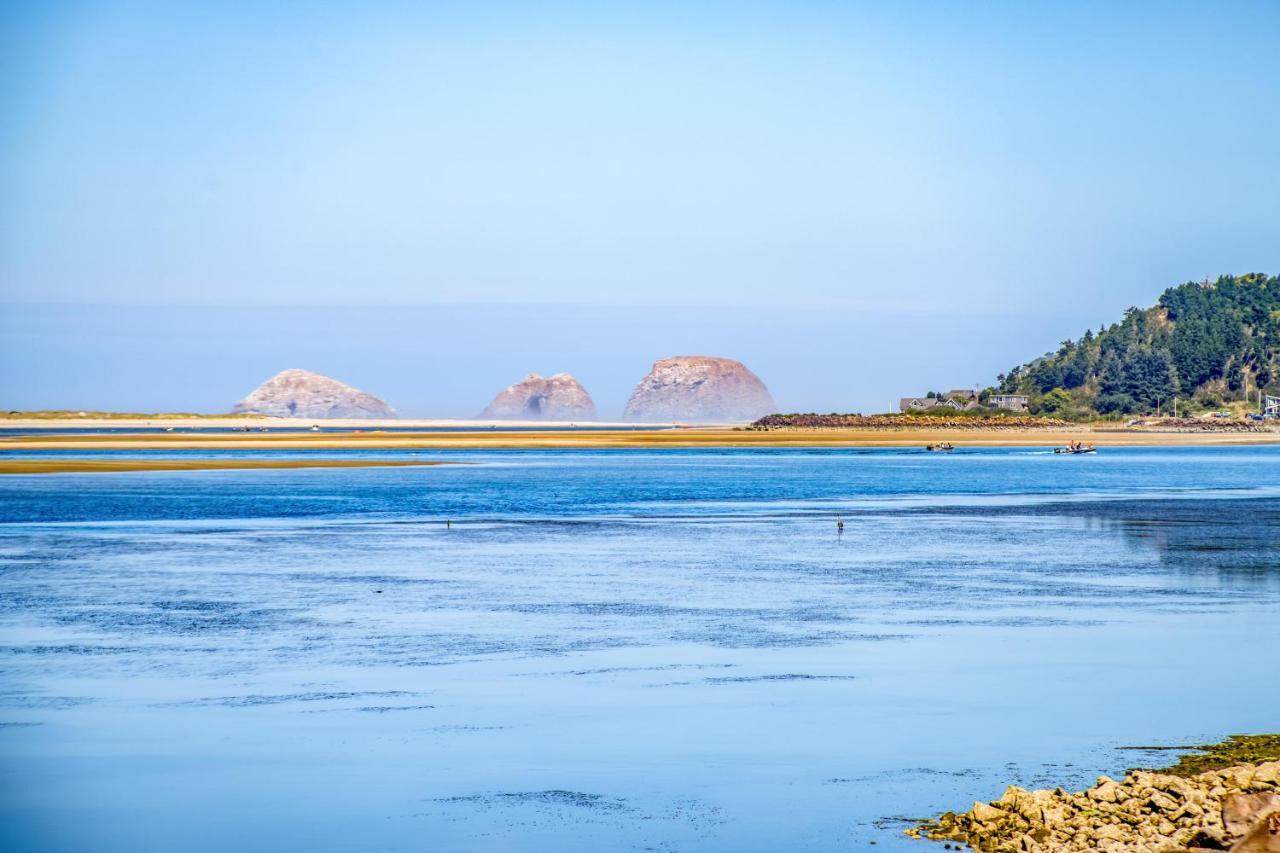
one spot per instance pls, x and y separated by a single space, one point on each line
616 650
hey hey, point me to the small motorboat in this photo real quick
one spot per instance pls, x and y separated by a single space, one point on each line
941 446
1076 447
315 427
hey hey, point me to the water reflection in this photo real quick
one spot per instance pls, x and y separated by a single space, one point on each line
614 653
1236 540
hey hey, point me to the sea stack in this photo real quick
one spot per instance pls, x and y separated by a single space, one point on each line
699 388
560 398
301 394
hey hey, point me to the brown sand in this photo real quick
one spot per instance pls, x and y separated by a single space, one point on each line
82 466
100 420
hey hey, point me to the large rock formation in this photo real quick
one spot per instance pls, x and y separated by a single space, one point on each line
301 394
560 398
1235 808
699 388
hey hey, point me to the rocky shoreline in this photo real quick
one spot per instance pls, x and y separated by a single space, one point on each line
1202 425
1196 805
914 422
1007 422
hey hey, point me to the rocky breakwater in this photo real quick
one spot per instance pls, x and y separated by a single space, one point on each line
560 398
1234 808
298 393
974 422
699 388
1202 425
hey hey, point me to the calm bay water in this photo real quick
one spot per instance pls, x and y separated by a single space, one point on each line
617 650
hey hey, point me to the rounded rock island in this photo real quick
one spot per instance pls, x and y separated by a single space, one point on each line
560 398
699 388
298 393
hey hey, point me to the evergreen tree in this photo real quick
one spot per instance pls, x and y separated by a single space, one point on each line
1149 377
1198 333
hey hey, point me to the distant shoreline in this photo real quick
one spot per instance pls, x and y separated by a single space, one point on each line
33 421
106 466
674 438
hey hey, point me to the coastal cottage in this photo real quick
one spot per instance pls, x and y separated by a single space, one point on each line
921 404
1011 402
960 400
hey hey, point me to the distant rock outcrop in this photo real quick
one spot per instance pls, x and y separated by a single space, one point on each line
302 394
699 388
560 398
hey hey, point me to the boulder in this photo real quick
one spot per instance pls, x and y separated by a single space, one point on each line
1241 811
1106 791
984 813
1263 837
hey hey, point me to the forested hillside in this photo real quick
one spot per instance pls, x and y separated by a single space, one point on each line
1207 344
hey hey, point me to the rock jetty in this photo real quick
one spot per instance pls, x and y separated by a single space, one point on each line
1203 425
976 422
1235 808
560 398
298 393
699 388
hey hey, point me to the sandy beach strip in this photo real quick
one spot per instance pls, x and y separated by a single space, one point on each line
254 422
89 466
667 438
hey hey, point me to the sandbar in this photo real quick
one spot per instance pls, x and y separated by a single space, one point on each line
1102 436
88 466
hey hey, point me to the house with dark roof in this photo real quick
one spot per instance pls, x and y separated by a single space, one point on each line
958 400
1012 402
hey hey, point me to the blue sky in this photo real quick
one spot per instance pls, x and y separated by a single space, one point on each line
1049 164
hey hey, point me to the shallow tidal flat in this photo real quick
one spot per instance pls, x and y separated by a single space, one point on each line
604 439
628 649
64 465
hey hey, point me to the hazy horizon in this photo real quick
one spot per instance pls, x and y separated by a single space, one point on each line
952 189
449 360
812 638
